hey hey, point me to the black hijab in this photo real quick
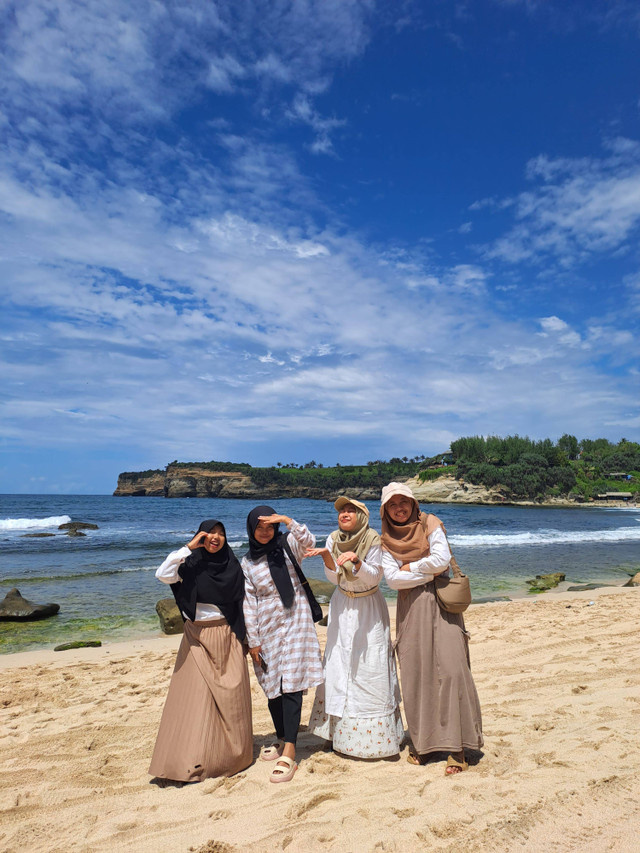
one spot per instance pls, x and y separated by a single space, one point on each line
274 552
212 579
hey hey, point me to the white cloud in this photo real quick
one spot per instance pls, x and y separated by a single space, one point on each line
579 207
223 74
303 111
561 330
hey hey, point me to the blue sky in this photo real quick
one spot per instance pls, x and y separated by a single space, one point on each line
340 230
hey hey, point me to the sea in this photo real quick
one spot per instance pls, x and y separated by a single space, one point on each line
105 585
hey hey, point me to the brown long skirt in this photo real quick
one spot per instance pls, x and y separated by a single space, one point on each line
440 698
205 728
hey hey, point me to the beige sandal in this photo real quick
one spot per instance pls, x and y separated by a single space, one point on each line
459 766
270 753
280 774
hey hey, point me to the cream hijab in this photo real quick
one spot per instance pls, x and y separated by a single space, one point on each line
359 540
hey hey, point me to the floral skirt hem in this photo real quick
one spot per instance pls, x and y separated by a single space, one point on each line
373 737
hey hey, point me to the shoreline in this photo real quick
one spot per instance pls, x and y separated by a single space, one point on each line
164 642
153 635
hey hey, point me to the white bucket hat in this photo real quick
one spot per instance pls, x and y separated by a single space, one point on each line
395 489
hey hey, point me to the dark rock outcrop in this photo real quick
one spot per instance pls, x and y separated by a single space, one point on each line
15 608
78 525
37 535
171 621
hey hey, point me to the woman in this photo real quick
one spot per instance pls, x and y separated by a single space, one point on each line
357 707
440 699
280 631
205 728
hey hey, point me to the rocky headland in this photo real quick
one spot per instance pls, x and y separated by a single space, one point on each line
195 481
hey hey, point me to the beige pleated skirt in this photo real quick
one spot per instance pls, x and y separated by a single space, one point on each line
205 728
440 700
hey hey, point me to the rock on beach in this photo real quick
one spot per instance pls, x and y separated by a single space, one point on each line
171 621
15 608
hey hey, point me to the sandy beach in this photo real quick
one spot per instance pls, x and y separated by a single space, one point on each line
558 677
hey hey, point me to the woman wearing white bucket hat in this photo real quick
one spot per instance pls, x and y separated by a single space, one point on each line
357 706
440 699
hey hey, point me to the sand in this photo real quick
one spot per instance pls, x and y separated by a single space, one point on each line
558 679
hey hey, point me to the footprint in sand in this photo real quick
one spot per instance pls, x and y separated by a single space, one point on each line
403 813
298 809
326 764
219 815
214 847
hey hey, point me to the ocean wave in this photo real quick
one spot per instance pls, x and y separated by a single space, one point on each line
33 523
545 537
25 579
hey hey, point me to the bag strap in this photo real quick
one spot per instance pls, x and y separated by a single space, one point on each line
294 562
457 571
316 610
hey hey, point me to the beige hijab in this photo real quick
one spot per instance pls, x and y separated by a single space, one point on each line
359 540
409 541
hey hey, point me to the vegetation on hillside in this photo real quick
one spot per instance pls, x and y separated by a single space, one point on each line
374 474
538 469
521 467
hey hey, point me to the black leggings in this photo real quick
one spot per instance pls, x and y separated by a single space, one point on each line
285 712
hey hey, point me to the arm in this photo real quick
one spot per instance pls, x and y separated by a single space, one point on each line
371 566
396 577
327 559
437 561
299 538
250 610
400 576
168 571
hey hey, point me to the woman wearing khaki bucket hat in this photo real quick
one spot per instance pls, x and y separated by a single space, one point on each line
357 706
439 695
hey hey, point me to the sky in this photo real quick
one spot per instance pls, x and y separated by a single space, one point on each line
336 231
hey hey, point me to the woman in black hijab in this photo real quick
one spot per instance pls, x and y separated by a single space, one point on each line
279 609
205 728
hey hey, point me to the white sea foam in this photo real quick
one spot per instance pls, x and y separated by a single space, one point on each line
546 537
33 523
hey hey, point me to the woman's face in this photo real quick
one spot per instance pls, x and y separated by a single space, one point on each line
399 508
264 532
348 518
215 539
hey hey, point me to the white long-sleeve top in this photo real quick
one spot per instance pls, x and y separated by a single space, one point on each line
287 636
168 573
422 570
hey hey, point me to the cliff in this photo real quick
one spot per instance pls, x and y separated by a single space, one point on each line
141 484
194 481
199 482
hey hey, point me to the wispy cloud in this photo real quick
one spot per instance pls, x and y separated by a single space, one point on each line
577 207
303 111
